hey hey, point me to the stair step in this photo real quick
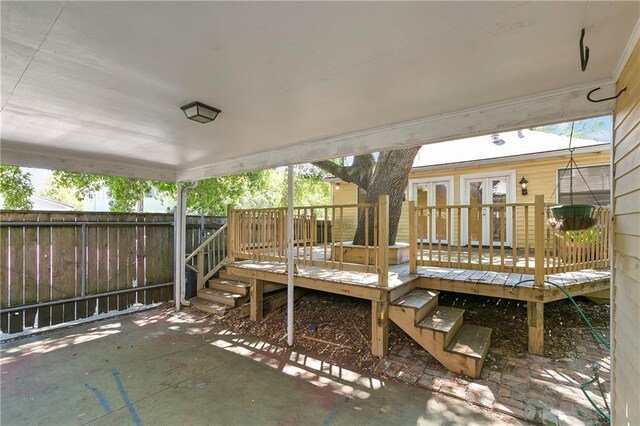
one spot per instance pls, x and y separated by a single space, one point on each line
423 301
222 297
445 320
231 286
208 306
471 340
224 274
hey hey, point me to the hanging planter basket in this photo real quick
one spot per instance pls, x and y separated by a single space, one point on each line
571 217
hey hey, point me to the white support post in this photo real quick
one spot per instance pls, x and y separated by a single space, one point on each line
180 243
290 266
178 272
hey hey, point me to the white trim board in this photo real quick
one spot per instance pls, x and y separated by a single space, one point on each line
546 108
74 163
628 50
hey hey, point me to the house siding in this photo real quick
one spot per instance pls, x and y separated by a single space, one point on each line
540 173
347 194
626 248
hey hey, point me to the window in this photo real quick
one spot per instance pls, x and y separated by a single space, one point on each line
596 182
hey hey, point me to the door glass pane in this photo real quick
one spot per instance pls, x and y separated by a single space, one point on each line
422 199
441 215
499 196
475 198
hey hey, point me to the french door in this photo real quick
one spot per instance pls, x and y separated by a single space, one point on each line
485 225
433 223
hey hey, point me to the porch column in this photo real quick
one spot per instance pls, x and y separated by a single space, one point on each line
178 273
290 256
180 243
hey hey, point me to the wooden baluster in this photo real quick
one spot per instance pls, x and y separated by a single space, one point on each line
230 234
383 240
438 214
375 236
514 238
459 235
539 240
325 235
366 236
421 219
448 232
526 239
333 237
491 238
341 237
413 242
430 233
503 214
469 248
480 236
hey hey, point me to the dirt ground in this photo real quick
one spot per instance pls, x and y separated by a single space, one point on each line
338 327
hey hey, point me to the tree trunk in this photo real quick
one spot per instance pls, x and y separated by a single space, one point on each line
388 175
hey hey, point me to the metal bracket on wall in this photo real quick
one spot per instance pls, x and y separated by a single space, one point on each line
604 99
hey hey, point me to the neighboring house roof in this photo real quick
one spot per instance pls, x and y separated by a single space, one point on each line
41 203
481 150
482 147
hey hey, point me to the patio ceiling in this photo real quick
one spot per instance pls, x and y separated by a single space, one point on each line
97 86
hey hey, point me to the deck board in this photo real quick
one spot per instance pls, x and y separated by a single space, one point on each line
469 281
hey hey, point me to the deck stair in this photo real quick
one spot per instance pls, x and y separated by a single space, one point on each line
440 330
226 292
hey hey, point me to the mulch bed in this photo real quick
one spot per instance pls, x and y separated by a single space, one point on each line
339 327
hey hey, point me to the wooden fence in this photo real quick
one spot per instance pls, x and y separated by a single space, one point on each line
62 266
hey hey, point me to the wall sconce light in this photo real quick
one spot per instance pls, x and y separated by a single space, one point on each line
336 186
523 185
197 111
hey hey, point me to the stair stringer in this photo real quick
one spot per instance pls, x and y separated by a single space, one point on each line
435 342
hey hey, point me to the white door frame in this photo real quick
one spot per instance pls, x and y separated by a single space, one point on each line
464 199
413 195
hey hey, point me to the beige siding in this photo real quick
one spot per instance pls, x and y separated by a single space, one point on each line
345 229
626 248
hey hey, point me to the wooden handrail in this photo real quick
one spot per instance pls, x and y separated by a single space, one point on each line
207 241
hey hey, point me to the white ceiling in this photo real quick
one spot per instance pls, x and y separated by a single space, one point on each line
101 83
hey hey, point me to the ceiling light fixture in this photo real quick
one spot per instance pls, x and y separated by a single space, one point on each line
197 111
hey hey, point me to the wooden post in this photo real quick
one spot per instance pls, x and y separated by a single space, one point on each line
200 267
535 321
538 227
379 328
383 241
413 240
231 235
257 290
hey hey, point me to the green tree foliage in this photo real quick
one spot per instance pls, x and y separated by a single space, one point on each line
15 188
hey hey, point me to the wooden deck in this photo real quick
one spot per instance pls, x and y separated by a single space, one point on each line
468 281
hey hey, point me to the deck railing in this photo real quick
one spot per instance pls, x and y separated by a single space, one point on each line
209 257
322 236
507 237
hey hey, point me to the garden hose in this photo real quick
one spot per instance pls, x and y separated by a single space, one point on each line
598 337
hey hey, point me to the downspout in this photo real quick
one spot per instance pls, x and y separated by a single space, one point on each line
180 238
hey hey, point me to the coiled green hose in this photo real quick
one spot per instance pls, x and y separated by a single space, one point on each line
595 333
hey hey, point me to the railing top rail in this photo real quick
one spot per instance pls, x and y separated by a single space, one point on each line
328 206
205 242
465 206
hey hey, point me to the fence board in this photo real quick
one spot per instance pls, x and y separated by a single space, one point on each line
5 273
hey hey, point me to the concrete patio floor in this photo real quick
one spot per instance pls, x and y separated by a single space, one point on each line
182 369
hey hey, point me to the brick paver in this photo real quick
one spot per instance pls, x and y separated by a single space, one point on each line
532 387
